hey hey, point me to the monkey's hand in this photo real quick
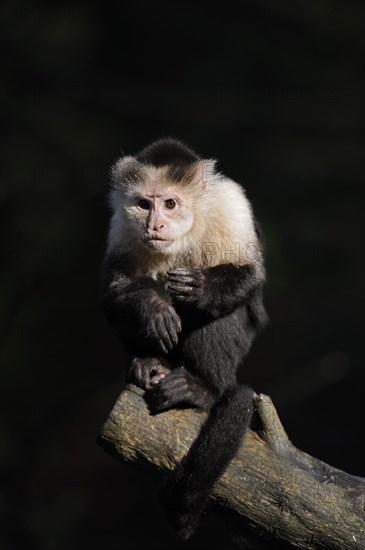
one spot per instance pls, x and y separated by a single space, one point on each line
145 372
162 324
186 285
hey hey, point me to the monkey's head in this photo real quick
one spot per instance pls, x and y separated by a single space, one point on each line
159 205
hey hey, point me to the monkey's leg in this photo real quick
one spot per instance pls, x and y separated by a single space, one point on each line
145 372
177 389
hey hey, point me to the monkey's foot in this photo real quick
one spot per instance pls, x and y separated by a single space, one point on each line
178 389
145 372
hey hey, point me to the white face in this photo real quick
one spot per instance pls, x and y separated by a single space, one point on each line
160 218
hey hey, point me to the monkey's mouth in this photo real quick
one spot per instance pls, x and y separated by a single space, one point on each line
157 243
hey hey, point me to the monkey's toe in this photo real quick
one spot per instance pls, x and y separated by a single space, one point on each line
155 400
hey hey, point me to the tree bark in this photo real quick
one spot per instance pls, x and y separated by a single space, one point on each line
271 489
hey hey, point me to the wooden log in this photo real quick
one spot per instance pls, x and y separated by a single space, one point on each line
271 489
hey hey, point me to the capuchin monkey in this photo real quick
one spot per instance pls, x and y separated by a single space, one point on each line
182 284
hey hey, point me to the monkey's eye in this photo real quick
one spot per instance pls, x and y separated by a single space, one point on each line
170 204
144 204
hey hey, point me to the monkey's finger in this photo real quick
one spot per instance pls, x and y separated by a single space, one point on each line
153 332
156 379
135 374
145 378
181 289
166 340
172 329
178 323
187 281
173 335
161 343
181 271
163 333
176 319
161 369
182 279
138 376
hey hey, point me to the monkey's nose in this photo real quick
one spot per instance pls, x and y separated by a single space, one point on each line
155 227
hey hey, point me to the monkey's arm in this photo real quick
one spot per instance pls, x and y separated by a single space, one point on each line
215 291
139 307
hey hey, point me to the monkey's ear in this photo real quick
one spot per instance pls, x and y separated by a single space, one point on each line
126 173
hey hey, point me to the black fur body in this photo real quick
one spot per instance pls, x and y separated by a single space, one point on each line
188 330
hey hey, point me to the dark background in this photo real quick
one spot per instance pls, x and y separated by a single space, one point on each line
274 90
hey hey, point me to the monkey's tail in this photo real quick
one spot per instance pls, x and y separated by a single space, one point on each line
187 491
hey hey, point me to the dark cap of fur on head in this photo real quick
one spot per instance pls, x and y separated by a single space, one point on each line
181 163
167 152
